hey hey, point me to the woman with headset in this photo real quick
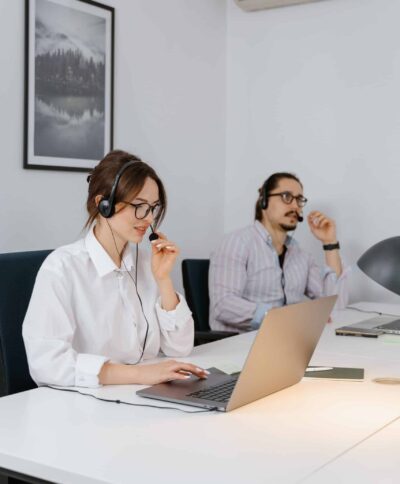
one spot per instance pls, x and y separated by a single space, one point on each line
102 305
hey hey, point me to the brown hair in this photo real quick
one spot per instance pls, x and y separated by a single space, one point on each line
102 177
270 184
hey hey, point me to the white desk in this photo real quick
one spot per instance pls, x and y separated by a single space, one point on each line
374 460
287 437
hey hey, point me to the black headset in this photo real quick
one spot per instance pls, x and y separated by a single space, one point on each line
264 194
106 206
265 189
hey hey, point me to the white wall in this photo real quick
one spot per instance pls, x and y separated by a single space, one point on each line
314 89
169 109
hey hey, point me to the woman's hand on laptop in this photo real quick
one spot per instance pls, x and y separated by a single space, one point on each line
167 371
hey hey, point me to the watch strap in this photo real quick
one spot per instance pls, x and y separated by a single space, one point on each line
331 246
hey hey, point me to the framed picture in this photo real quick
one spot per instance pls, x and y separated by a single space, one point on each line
69 84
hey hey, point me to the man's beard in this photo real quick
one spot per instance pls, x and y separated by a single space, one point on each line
287 227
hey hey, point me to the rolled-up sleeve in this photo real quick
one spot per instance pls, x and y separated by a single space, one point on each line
48 332
177 329
324 282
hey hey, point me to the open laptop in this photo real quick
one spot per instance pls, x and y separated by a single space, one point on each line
372 327
277 359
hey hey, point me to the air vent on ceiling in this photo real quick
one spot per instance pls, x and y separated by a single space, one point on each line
250 5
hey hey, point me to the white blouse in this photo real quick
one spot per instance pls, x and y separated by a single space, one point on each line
84 311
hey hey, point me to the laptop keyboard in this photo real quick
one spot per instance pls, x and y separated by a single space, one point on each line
392 326
216 393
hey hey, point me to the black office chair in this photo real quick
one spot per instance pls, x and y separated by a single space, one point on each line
195 283
17 276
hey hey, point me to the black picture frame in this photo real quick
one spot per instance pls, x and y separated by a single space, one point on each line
69 84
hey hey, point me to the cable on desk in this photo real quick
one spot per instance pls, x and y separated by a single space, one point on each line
128 403
372 312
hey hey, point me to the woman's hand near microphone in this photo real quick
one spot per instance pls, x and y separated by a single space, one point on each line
164 255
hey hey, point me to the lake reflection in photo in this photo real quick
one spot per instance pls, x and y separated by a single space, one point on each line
69 126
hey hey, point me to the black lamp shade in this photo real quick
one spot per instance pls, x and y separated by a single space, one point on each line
381 263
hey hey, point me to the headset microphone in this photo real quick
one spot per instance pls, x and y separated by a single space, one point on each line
153 235
300 218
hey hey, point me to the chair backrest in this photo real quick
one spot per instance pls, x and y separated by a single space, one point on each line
17 277
195 283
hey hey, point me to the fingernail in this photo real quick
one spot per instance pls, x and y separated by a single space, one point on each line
158 246
186 377
168 247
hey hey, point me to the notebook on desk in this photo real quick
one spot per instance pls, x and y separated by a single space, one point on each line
277 359
335 373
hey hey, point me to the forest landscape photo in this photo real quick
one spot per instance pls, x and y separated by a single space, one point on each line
70 85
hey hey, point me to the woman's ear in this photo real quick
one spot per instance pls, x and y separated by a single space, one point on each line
98 199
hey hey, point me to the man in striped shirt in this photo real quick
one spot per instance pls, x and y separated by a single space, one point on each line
260 266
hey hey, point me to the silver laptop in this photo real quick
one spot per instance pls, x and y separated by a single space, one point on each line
372 327
277 359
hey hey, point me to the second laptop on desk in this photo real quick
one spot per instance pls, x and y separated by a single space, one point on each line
372 327
277 359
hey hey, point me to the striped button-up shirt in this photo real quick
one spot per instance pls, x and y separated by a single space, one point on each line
246 279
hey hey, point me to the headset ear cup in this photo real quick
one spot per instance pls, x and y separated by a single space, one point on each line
105 209
264 199
106 206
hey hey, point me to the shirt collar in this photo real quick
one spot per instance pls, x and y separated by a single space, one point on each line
267 237
101 260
